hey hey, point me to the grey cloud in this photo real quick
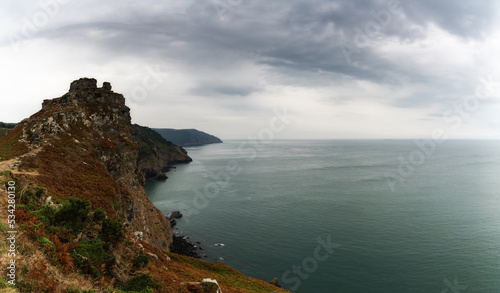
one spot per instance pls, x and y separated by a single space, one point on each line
222 91
297 43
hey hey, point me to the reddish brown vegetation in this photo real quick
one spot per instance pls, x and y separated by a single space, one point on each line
40 280
10 144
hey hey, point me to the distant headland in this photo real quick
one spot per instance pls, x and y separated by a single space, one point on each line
187 137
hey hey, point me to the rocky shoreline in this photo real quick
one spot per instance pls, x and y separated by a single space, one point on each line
180 243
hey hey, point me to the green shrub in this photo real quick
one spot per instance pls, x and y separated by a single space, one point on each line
6 173
98 215
27 207
141 261
140 284
27 197
44 241
73 214
39 191
90 255
111 231
46 214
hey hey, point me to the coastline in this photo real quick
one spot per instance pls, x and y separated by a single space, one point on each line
182 245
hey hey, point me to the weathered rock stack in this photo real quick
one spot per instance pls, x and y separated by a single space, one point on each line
96 126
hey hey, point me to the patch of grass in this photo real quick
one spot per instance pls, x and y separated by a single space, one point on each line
11 146
78 290
3 283
140 284
6 173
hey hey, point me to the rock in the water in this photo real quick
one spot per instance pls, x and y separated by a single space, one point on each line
182 246
274 282
176 215
173 222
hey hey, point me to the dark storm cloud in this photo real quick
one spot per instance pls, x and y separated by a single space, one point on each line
221 91
301 35
310 44
469 19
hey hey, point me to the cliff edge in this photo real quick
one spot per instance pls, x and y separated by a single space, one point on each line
85 141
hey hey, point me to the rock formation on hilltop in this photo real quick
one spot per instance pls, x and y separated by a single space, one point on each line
85 141
88 84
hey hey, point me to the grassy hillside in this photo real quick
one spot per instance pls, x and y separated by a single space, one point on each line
187 137
151 141
71 246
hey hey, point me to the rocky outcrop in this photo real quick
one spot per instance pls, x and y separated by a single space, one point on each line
175 215
86 128
88 84
207 285
172 216
274 282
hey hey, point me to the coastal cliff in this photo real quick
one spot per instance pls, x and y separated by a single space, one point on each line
82 218
156 154
84 141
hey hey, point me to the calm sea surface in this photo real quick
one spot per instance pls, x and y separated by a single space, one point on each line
398 219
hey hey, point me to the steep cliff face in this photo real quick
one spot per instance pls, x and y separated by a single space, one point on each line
84 141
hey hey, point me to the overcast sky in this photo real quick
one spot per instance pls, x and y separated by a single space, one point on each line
338 69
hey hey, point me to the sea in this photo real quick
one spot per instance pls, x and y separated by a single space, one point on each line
356 216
